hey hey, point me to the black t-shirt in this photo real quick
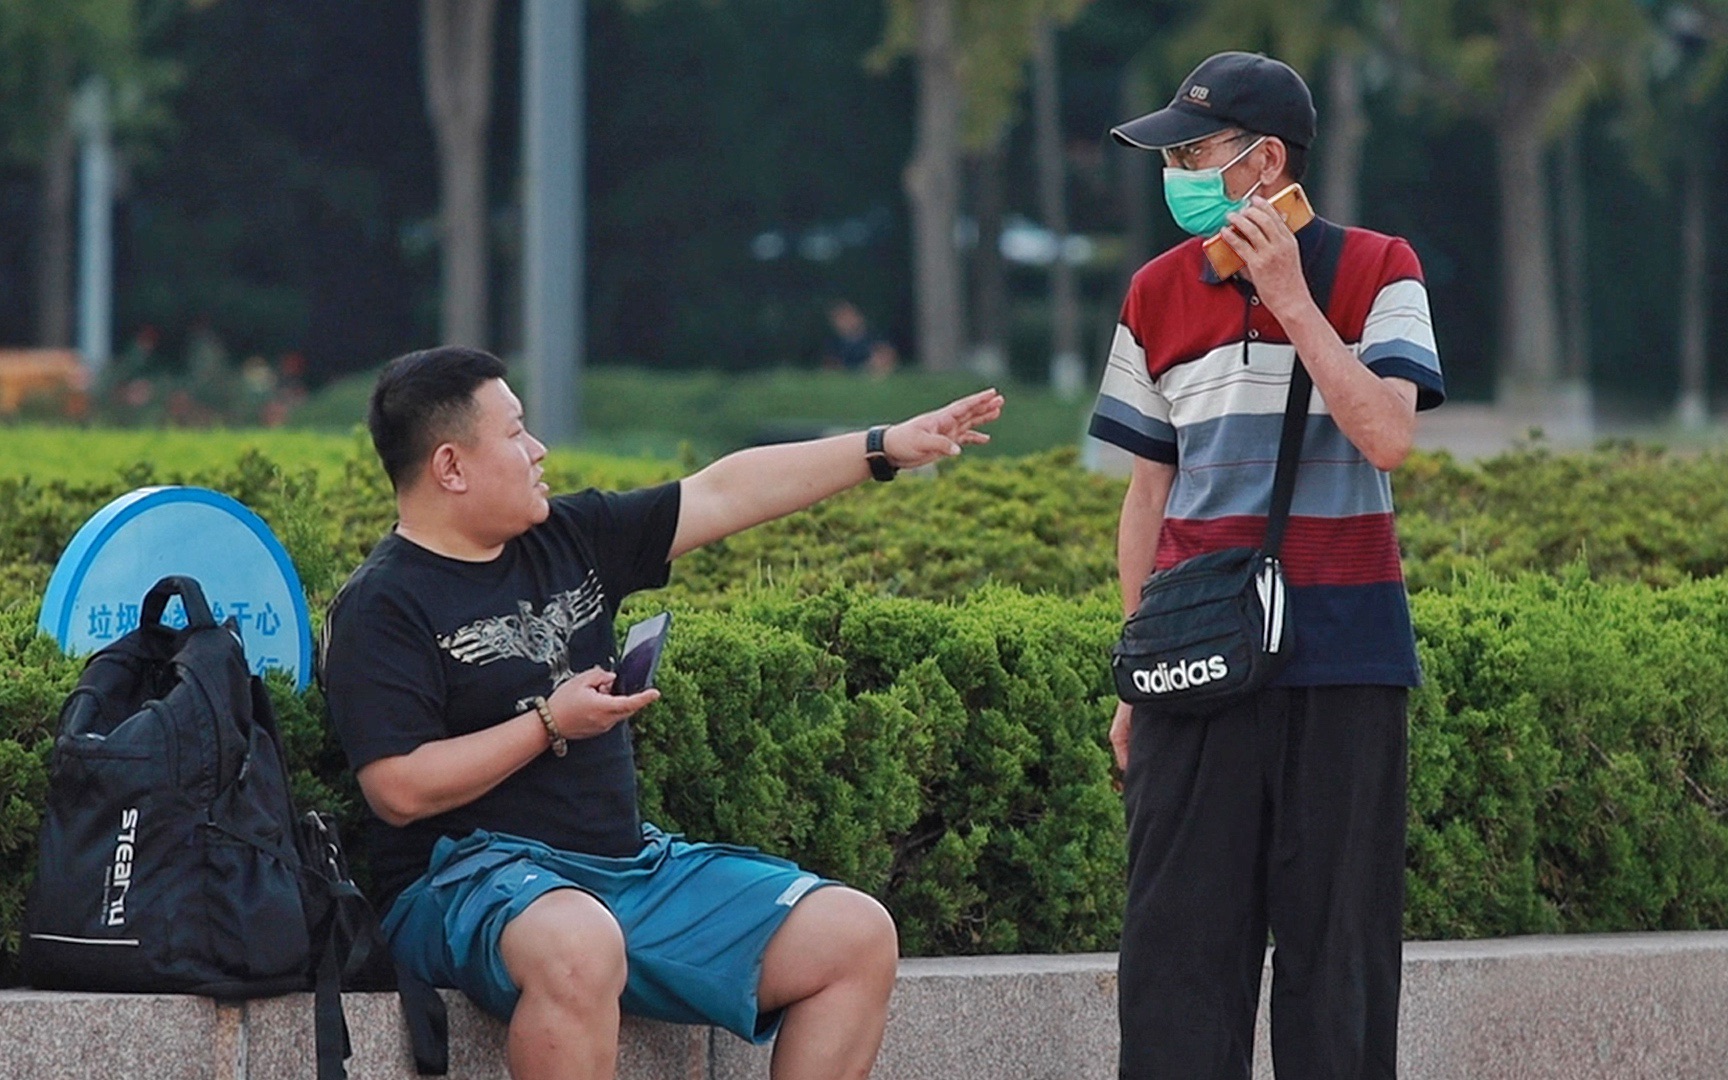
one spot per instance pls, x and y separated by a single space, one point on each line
420 647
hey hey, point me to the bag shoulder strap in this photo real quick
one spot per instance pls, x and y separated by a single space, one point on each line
347 941
1320 271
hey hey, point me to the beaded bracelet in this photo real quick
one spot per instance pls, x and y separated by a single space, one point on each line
560 745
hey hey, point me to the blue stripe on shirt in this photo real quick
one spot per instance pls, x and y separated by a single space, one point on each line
1118 434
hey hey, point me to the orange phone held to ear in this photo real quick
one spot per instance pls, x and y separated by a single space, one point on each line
1292 205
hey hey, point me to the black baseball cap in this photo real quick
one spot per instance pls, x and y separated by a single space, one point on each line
1229 90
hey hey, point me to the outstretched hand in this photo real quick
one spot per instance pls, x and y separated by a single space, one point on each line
941 432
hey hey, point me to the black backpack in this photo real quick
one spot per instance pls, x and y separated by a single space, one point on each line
171 858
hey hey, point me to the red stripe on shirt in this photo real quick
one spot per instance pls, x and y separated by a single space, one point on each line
1193 317
1360 550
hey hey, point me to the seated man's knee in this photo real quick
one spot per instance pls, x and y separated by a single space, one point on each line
568 948
848 932
869 925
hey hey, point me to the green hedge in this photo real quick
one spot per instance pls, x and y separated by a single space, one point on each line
944 757
1038 522
1569 757
906 687
1628 512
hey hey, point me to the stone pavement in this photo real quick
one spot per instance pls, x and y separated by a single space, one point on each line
1583 1007
1470 431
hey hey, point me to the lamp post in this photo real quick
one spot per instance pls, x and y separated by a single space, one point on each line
552 220
90 120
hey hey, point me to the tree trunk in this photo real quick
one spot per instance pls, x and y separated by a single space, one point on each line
54 217
456 51
1134 180
932 182
1346 134
1067 372
989 273
1694 405
1529 325
1574 276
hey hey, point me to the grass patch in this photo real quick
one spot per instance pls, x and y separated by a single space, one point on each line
702 414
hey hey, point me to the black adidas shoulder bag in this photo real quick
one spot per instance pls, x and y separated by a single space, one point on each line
1215 628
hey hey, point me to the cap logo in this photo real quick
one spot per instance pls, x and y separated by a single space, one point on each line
1198 93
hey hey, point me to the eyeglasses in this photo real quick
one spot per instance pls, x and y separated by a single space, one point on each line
1188 155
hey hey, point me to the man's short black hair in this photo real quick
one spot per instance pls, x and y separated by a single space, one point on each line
422 399
1295 161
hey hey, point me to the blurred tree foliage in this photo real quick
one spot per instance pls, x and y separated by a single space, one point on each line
48 50
745 167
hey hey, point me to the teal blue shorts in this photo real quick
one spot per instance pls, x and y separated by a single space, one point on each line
696 920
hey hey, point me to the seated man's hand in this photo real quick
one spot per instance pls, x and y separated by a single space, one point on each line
584 706
942 432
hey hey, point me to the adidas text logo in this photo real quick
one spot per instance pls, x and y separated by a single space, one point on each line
1182 675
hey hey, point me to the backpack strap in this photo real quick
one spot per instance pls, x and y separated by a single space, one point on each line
428 1025
191 598
348 941
351 941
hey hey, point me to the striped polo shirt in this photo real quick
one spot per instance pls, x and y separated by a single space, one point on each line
1197 379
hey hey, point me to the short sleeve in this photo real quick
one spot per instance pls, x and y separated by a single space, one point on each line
382 676
1398 334
1131 412
630 534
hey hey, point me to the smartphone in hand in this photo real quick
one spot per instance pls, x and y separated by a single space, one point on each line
641 657
1292 205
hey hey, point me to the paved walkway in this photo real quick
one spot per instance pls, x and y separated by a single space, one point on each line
1471 430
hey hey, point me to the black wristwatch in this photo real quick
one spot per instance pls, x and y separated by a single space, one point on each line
874 452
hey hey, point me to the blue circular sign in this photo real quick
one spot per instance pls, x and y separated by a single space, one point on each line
143 536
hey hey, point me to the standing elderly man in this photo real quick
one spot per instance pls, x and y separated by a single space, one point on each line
467 668
1284 811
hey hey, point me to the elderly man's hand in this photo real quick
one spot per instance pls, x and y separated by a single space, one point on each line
1274 260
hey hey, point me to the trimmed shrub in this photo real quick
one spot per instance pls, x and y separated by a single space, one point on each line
1039 523
1625 512
906 687
1569 758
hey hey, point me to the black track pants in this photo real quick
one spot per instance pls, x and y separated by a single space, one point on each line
1283 814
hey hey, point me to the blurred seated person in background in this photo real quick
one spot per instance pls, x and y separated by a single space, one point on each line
852 346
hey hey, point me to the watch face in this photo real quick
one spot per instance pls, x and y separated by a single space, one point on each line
876 453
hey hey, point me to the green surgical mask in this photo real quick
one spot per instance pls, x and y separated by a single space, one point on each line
1196 196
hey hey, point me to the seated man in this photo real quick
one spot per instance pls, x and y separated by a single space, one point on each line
465 666
852 346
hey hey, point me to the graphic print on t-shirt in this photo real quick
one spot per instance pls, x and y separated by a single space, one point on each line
542 638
